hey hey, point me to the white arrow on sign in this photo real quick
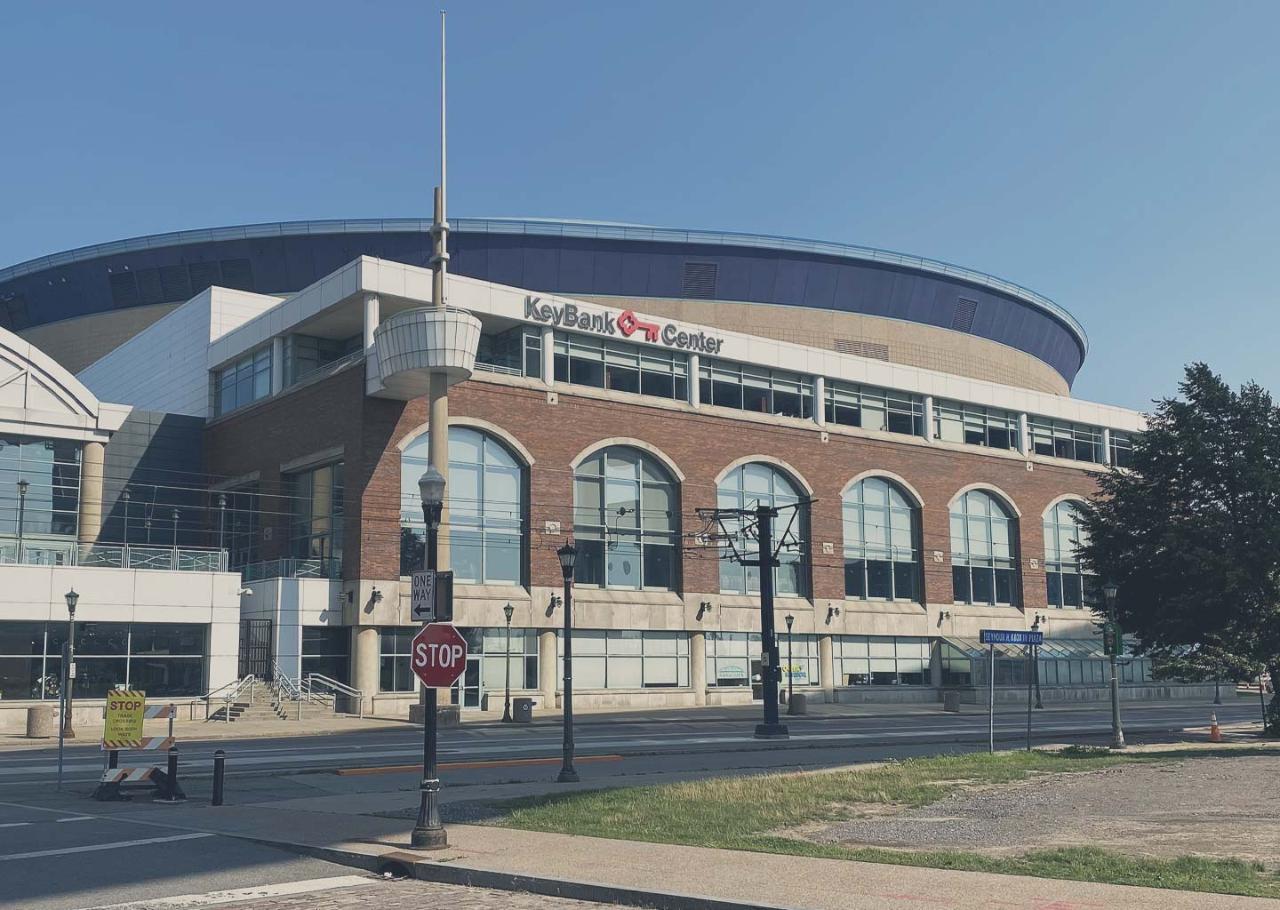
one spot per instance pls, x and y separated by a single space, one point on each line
422 597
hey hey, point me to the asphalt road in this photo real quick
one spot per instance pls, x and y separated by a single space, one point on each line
64 850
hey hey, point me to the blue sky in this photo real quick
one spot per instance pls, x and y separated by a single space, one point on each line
1120 158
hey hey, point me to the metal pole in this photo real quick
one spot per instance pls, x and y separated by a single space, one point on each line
991 698
222 520
68 729
568 773
62 706
771 665
1217 690
1262 699
1035 664
506 700
1117 731
429 833
1030 673
791 672
219 771
22 516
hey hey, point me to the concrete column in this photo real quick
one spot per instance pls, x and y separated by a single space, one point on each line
1106 446
695 391
827 667
90 519
698 667
364 663
928 418
548 355
548 667
438 453
820 400
1024 435
277 365
372 316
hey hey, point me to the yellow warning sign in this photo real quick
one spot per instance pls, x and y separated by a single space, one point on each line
125 712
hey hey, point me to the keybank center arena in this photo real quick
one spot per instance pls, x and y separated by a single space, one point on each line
248 503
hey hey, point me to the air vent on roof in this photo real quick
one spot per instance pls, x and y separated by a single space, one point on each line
238 274
149 289
871 349
962 318
174 283
124 289
204 274
700 279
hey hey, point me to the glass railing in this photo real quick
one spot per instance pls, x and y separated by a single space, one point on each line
293 567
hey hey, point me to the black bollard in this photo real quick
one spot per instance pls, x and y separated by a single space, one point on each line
171 784
113 759
219 769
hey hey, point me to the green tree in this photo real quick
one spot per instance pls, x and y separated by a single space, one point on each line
1190 532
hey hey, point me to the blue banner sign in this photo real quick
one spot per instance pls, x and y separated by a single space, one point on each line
1010 637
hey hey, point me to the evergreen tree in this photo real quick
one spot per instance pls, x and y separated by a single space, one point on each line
1190 533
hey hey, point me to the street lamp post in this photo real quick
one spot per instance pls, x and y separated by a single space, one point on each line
507 611
568 555
1109 591
791 667
429 833
1035 660
222 522
126 496
23 486
174 514
68 731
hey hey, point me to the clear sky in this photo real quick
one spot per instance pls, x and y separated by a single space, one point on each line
1120 158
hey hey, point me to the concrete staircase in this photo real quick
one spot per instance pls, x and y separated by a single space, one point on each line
263 706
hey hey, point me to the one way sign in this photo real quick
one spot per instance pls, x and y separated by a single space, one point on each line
431 596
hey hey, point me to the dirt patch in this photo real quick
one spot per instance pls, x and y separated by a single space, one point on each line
1220 807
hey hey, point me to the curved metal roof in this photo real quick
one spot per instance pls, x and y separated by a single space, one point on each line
561 228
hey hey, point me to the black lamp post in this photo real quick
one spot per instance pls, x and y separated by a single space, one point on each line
23 486
1109 591
568 555
126 496
1035 661
174 515
222 522
429 833
68 732
507 611
791 667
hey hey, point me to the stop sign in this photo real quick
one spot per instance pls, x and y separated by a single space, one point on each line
439 655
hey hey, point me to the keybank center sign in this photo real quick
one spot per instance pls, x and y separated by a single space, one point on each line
624 325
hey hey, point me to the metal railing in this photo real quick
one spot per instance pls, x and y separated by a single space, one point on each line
117 556
318 686
292 567
229 695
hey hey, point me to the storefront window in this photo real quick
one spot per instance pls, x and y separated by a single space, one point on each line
881 660
628 659
326 650
733 659
488 660
161 659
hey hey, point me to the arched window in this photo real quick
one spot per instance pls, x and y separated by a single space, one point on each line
485 497
881 561
1067 585
746 487
982 550
625 521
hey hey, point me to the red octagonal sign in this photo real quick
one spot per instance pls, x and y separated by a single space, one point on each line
439 655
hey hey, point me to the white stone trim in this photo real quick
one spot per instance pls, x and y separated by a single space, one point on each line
1065 497
770 460
632 443
987 488
887 475
504 436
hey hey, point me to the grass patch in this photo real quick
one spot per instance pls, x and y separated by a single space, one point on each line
748 813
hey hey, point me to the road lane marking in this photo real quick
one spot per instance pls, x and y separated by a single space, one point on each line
471 765
91 848
16 824
212 898
76 818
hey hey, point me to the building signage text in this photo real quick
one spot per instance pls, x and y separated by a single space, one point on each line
625 324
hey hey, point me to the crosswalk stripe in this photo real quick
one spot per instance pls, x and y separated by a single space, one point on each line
91 848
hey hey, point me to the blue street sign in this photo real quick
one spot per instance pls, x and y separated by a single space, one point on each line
1010 637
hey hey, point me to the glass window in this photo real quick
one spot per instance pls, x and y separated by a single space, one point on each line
869 660
316 518
515 352
975 425
326 650
306 354
881 561
1121 449
49 510
1067 586
394 672
243 382
874 409
982 550
628 659
485 495
1059 439
747 388
240 525
756 484
585 360
626 521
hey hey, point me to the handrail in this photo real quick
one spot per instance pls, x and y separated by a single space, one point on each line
227 694
312 680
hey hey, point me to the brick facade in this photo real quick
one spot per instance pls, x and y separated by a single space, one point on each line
555 428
